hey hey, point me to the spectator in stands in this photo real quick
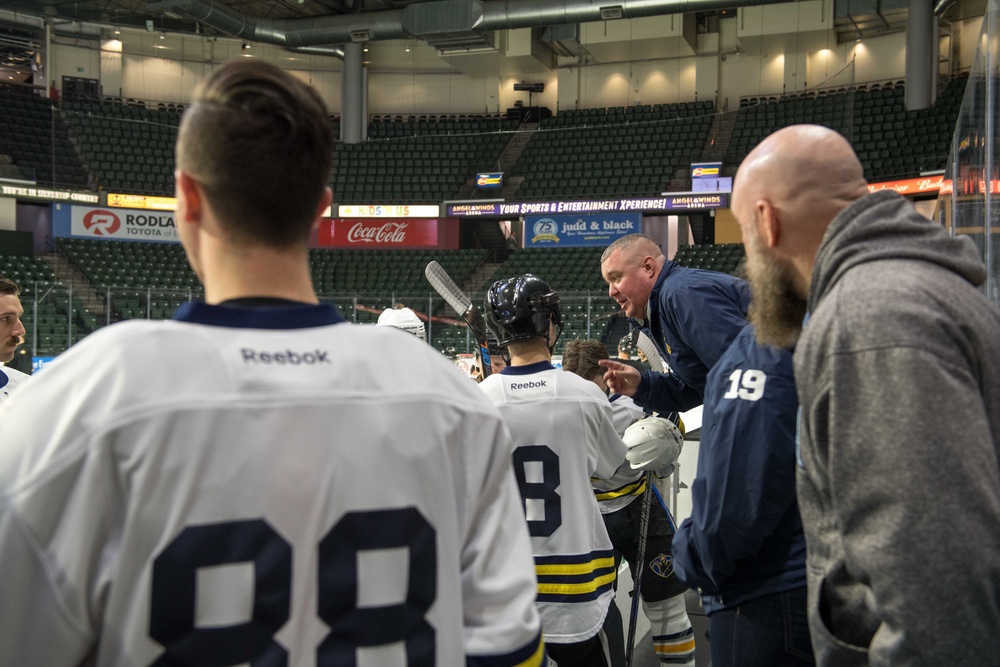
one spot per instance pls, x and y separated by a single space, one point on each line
692 315
258 481
899 384
743 545
11 334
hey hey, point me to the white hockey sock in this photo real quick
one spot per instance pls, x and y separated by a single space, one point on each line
673 638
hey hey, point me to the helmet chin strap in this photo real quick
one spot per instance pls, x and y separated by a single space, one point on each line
552 343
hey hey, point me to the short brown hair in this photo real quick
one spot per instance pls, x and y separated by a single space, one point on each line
581 357
634 244
260 143
9 287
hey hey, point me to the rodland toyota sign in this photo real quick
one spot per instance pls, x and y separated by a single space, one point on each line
379 233
122 224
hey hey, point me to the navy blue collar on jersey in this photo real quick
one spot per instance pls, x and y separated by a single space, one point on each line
536 367
614 397
290 315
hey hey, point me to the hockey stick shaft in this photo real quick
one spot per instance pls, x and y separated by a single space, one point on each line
640 562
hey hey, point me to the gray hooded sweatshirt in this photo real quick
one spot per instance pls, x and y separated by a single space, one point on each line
898 375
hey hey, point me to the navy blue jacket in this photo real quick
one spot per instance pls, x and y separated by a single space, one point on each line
744 539
693 316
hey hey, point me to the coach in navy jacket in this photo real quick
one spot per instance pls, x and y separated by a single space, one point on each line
743 545
692 315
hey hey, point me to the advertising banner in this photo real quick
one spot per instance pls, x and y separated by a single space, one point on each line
910 186
706 169
388 211
85 222
489 181
579 230
407 233
145 202
672 202
48 194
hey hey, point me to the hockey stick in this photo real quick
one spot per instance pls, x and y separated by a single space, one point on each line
457 299
652 353
648 348
640 561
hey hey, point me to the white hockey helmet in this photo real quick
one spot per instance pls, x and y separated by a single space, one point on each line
654 443
403 318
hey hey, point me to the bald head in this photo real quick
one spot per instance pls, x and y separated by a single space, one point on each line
790 187
808 171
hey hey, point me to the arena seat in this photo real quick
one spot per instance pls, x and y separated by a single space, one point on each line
418 161
612 152
891 142
41 142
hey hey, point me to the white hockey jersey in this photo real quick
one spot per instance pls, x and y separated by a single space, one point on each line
562 430
268 486
10 378
625 485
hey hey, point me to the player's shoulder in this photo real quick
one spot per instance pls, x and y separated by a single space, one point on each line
10 375
572 385
405 365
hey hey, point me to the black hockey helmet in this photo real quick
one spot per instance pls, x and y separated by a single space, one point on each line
520 309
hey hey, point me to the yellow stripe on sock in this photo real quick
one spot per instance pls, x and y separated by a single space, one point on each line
536 658
683 647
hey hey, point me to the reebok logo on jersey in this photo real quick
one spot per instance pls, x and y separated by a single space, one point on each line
527 385
251 356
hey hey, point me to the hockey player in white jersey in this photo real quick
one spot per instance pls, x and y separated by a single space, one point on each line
11 335
257 481
662 592
562 430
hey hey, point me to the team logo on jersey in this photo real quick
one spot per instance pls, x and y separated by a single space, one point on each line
101 223
662 565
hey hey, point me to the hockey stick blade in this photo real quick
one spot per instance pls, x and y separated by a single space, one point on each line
462 304
648 348
446 287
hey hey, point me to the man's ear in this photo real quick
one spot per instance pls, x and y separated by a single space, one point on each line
649 265
324 203
769 222
190 197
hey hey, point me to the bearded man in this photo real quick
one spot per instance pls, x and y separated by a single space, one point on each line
899 385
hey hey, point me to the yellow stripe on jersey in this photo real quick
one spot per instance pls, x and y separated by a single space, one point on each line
577 589
576 568
634 489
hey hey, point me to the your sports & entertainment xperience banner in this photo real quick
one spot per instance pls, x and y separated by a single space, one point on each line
579 230
670 202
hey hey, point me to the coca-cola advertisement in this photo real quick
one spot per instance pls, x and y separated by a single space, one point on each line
379 233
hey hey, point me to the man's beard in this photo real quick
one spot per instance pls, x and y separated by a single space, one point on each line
776 311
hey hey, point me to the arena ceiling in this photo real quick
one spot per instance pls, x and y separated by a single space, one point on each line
136 12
